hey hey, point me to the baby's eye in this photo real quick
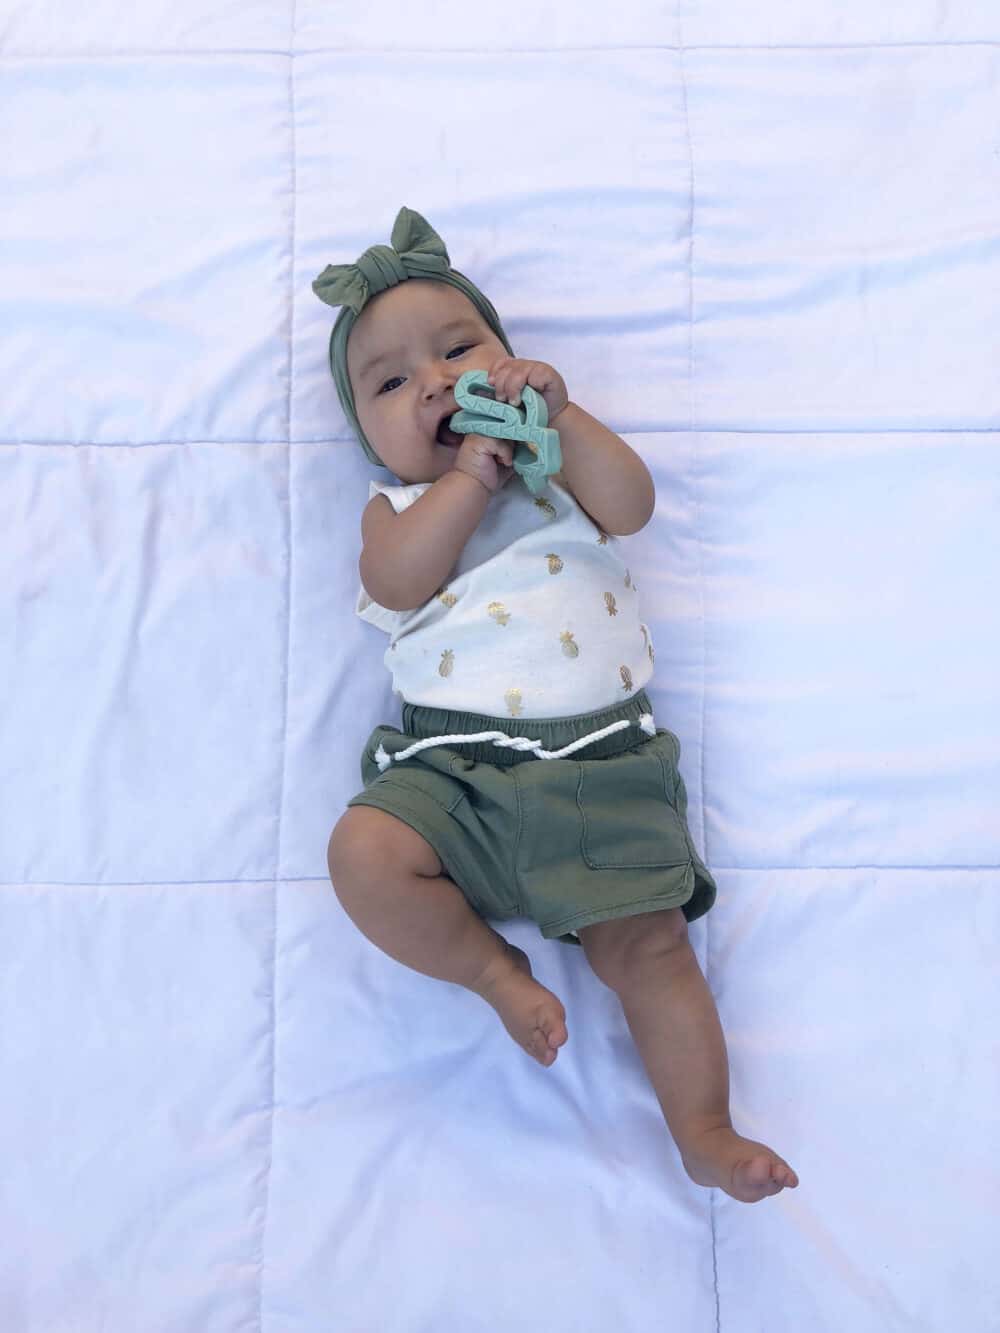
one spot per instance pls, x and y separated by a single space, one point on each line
462 347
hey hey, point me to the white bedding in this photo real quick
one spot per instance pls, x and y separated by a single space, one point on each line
762 242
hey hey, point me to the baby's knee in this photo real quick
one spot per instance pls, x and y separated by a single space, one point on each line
621 950
368 842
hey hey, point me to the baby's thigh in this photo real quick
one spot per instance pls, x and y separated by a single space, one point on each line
367 843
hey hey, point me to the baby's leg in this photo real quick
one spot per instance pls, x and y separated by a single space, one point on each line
388 879
648 962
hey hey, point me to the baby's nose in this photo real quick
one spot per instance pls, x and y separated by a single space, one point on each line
440 386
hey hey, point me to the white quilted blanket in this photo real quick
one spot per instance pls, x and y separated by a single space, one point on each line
762 242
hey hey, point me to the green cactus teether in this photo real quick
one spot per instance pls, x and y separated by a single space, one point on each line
539 456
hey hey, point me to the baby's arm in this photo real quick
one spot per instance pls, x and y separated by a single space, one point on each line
607 478
407 556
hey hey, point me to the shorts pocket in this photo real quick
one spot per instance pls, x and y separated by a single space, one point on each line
425 782
627 806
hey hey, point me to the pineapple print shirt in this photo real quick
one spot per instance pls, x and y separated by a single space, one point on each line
538 618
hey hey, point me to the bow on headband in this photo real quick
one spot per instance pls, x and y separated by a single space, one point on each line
417 252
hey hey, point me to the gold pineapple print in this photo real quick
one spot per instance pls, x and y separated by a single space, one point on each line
649 646
569 646
555 564
512 697
447 597
626 676
603 538
499 612
546 506
609 599
628 579
447 662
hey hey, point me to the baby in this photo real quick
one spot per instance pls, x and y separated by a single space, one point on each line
518 785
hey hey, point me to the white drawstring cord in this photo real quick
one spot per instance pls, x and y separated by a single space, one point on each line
501 739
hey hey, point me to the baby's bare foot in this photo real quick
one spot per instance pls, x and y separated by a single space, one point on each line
532 1015
747 1170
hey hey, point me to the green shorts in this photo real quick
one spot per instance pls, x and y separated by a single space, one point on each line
566 842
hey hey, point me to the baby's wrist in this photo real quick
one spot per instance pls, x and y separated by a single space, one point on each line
461 471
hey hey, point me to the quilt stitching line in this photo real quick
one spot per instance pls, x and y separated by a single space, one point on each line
695 478
11 53
266 1209
867 432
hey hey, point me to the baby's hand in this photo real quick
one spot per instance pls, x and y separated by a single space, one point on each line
488 460
509 374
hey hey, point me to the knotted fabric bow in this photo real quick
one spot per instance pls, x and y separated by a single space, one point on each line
417 251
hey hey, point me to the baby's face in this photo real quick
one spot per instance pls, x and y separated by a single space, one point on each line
425 336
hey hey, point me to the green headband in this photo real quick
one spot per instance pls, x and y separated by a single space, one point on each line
417 252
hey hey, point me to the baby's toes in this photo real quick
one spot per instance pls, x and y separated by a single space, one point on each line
773 1174
549 1034
784 1175
538 1046
754 1176
756 1171
554 1027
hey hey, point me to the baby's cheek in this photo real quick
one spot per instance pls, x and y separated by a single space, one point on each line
370 422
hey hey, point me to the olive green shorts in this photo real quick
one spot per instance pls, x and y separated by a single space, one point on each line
566 842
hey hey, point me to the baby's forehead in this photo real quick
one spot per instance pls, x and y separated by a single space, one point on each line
392 330
432 311
429 316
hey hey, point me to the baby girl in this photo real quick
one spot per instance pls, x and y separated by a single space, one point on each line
529 777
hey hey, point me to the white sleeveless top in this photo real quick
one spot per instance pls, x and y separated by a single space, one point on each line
538 618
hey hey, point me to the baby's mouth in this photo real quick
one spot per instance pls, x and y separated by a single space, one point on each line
445 435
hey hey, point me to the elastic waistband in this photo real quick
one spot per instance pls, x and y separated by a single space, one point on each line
553 733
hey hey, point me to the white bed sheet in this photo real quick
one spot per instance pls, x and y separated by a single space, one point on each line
761 242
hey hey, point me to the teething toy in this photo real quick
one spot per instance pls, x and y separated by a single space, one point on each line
540 456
